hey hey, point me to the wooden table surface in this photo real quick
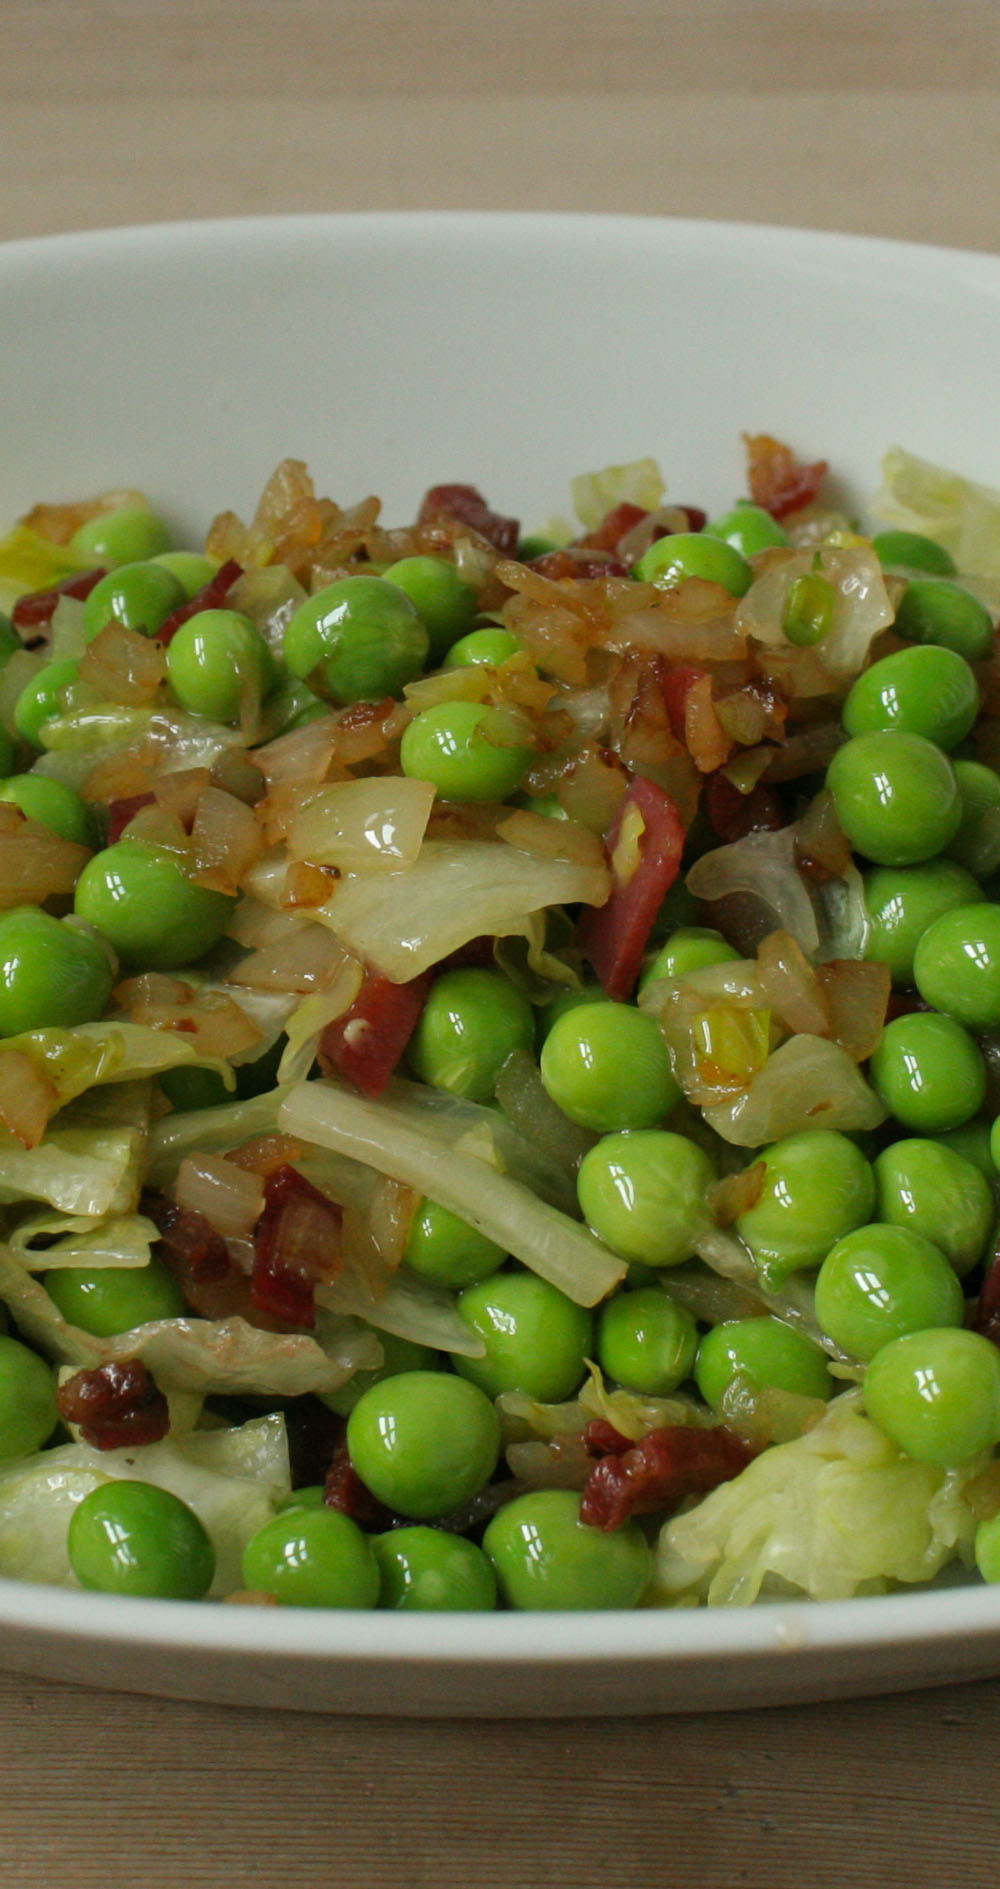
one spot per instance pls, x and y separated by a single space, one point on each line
878 116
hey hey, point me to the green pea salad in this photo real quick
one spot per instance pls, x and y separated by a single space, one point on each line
500 1046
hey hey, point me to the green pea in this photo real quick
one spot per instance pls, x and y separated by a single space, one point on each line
142 900
748 528
28 1412
644 1194
312 1557
809 609
429 1570
695 554
10 642
956 967
467 750
929 1072
646 1341
133 1538
43 698
934 1190
973 1142
535 545
923 690
537 1340
896 797
141 596
546 1559
689 948
445 604
446 1249
764 1353
424 1442
587 1051
911 550
936 1394
986 1548
311 1496
124 536
398 1354
217 663
472 1021
881 1281
106 1300
568 1000
357 640
53 973
903 900
976 845
490 646
817 1185
191 568
52 804
935 610
190 1088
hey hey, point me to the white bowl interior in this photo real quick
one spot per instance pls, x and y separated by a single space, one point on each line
512 351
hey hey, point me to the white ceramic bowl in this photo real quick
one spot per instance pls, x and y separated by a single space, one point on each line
512 351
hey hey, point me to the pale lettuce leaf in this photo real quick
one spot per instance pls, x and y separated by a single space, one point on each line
838 1511
916 495
233 1479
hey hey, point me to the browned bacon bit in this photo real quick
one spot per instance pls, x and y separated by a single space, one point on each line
569 562
470 508
655 1474
120 812
602 1439
210 597
191 1246
297 1242
115 1406
366 1043
34 611
645 844
779 481
344 1491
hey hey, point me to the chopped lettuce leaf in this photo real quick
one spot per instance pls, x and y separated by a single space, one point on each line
595 494
30 562
77 1168
839 1511
86 1055
395 1136
404 922
75 1240
917 495
233 1479
208 1356
409 1307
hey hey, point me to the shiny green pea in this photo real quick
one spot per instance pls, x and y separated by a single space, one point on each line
133 1538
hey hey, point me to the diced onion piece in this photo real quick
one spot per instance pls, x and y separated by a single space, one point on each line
391 1136
861 605
374 825
27 1097
791 986
225 840
230 1198
857 996
761 866
807 1082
